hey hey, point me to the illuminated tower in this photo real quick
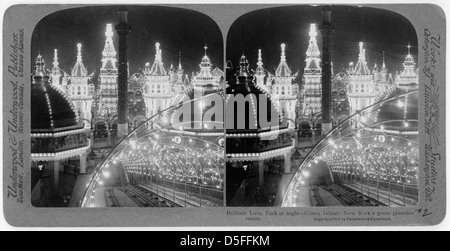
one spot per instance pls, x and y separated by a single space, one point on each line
260 73
55 73
361 90
80 90
409 77
205 80
158 89
283 91
108 76
313 76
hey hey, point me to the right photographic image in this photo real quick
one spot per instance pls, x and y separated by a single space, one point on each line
322 108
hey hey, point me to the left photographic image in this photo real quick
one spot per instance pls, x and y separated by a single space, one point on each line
126 108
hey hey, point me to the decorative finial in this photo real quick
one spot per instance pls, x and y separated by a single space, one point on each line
362 51
313 31
260 63
384 63
79 58
179 60
206 48
409 49
55 58
109 31
283 52
158 55
39 67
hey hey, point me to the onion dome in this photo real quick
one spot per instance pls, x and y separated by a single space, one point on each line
245 85
50 108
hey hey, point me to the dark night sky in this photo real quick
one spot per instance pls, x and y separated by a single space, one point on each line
380 30
176 30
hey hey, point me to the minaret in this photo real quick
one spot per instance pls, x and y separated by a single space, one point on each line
313 76
108 77
260 73
327 30
56 71
123 28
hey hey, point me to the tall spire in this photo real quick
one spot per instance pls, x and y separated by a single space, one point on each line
180 69
260 70
109 52
313 53
79 70
361 67
408 76
383 67
313 49
283 69
158 55
243 75
260 63
205 66
158 66
362 51
283 52
55 70
79 56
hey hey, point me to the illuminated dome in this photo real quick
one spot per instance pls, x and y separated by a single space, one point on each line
160 156
251 141
369 159
244 85
51 109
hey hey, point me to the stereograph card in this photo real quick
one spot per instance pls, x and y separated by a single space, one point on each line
224 115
